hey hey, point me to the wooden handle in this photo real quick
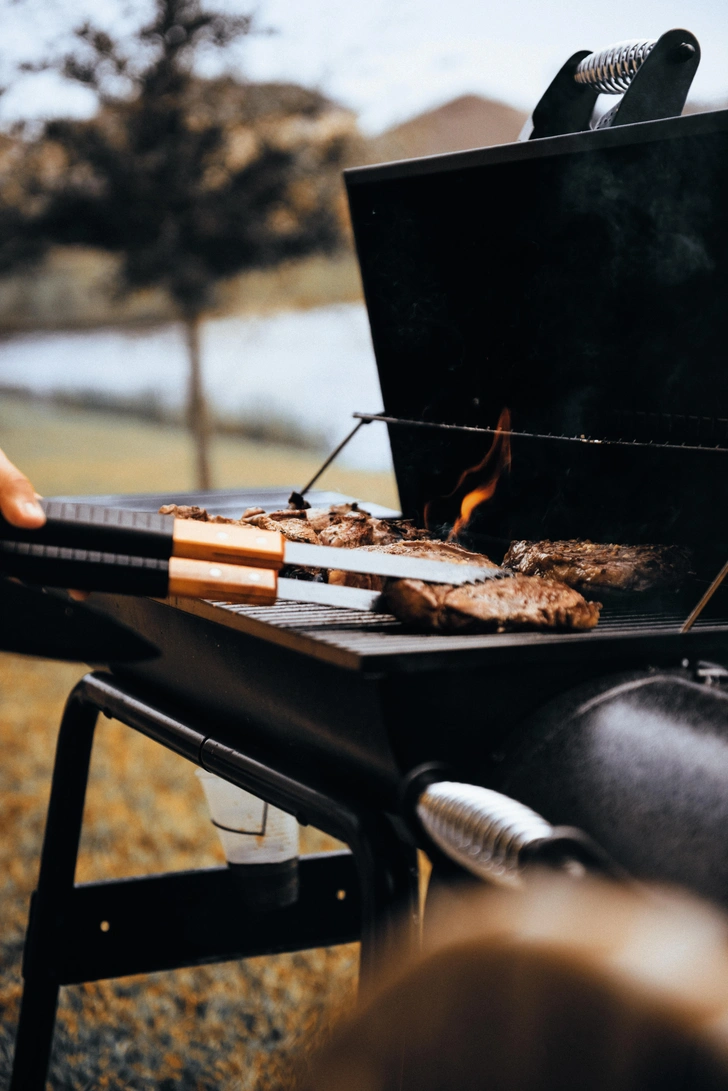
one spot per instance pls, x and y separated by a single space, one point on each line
228 543
222 582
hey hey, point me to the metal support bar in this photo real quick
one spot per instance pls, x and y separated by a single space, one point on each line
86 932
297 498
385 853
189 918
515 434
52 901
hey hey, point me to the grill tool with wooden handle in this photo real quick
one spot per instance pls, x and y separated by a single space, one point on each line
140 553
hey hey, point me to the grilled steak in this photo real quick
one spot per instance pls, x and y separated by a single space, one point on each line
498 606
191 511
344 525
355 529
589 566
295 530
521 602
429 549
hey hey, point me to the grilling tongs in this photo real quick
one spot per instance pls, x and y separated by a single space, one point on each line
140 553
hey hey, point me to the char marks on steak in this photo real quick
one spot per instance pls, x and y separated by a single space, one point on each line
355 529
191 511
346 526
294 529
497 606
589 566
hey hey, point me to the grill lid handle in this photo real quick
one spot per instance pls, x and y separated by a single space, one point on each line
496 838
653 75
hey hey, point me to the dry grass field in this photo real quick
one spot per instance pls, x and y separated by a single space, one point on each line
232 1026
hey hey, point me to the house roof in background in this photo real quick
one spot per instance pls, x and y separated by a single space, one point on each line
469 121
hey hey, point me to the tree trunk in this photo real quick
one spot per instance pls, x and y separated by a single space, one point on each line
197 414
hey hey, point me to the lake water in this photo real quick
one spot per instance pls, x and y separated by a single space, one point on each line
313 368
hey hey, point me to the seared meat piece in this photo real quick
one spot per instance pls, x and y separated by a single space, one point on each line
319 518
294 529
289 523
589 566
277 516
348 516
499 606
429 549
191 511
356 529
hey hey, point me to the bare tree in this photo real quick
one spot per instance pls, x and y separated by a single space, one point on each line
178 175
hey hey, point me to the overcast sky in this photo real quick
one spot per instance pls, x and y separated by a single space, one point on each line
387 59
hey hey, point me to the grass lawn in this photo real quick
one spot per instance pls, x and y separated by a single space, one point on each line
221 1027
76 451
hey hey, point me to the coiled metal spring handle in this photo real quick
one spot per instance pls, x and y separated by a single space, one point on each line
495 837
653 74
612 70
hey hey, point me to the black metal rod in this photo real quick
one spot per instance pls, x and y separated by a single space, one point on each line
367 418
337 450
103 692
707 596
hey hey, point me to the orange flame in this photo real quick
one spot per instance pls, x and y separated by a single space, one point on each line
497 459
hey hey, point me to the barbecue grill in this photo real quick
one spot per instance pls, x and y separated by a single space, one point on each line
580 282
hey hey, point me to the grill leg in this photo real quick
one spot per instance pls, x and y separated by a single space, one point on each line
50 902
388 874
385 858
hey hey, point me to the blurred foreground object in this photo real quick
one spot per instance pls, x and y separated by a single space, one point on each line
564 985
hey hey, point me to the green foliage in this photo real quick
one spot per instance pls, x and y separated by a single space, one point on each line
185 188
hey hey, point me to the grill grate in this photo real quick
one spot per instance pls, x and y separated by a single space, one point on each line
353 638
322 620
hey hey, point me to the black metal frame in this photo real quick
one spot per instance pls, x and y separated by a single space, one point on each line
97 930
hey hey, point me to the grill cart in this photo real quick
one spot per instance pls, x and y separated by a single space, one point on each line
578 280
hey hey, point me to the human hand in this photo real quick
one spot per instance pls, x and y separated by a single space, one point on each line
18 499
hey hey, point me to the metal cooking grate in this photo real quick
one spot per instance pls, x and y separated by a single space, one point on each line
347 636
310 618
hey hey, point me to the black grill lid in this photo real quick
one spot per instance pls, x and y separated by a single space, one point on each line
581 281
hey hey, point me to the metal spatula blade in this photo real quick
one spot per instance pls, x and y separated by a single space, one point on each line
392 565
